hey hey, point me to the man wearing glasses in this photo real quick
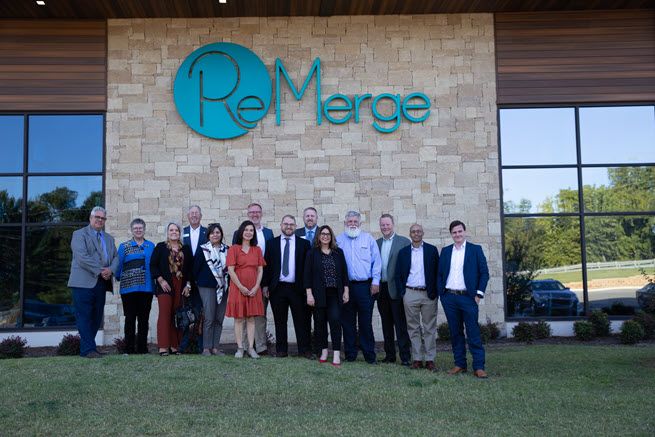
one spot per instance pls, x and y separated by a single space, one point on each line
94 260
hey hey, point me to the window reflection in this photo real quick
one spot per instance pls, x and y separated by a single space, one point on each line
11 197
543 270
622 134
48 300
618 248
537 136
65 143
9 277
62 198
540 190
11 143
619 189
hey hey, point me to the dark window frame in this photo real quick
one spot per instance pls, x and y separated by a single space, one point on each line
581 214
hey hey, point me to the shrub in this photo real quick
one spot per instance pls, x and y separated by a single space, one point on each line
631 332
489 331
120 345
621 309
584 330
69 345
541 330
443 332
647 322
12 347
601 323
523 332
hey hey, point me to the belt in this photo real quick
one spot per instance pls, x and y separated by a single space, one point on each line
459 292
361 282
416 288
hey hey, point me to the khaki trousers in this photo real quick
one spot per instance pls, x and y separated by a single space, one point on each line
421 314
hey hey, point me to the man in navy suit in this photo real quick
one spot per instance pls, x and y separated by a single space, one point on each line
416 282
283 285
308 232
462 279
193 236
264 234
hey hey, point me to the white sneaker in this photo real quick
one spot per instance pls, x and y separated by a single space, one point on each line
253 354
239 353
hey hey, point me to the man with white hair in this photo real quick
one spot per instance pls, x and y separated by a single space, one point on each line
364 268
95 258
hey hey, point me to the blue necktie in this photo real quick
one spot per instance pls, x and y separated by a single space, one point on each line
103 245
310 236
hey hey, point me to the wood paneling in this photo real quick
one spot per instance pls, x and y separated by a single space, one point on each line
575 57
53 65
103 9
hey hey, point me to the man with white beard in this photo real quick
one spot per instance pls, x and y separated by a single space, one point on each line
364 268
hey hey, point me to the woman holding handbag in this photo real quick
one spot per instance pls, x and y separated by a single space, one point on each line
210 273
171 269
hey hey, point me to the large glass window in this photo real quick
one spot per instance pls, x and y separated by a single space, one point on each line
41 204
562 260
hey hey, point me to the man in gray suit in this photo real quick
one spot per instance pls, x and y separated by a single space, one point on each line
94 260
390 304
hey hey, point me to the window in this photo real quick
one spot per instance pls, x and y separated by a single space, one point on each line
578 187
50 180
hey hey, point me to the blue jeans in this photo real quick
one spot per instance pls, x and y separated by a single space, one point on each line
89 308
358 313
462 311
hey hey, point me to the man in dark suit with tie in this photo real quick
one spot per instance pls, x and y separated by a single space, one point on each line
462 280
416 282
95 259
283 284
264 235
308 232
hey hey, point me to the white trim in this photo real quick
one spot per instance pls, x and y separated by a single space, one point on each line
563 328
46 338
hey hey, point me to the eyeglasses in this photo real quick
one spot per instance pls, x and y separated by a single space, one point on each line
325 234
288 224
97 217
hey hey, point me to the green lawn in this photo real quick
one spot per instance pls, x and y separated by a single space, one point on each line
576 276
532 390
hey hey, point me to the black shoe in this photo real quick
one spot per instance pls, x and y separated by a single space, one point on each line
373 363
281 354
351 360
389 360
93 354
406 363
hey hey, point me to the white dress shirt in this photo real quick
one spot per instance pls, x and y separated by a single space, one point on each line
416 278
385 252
261 241
291 277
194 236
455 279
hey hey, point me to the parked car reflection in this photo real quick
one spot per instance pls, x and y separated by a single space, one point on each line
646 296
551 298
41 314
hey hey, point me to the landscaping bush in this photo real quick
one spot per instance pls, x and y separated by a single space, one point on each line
601 323
647 322
489 331
69 345
584 330
523 332
541 330
12 347
631 332
120 345
443 332
620 309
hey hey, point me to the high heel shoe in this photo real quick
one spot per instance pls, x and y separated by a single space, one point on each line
337 365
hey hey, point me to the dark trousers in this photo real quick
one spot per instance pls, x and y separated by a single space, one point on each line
462 311
89 308
331 314
358 313
286 296
186 344
392 315
136 307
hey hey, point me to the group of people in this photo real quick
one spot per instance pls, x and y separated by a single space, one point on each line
332 279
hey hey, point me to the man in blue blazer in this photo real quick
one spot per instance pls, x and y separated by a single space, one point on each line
416 283
193 236
462 280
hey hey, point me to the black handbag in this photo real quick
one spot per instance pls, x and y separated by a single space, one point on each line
186 316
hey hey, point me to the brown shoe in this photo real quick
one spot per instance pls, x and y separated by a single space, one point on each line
480 374
456 370
429 365
417 365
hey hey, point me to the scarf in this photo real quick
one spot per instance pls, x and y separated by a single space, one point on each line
216 262
175 259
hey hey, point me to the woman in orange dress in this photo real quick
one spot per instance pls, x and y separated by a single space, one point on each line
245 264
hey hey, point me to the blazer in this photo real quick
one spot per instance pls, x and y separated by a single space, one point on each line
301 233
186 236
268 235
476 272
87 264
430 267
273 267
398 243
314 275
159 265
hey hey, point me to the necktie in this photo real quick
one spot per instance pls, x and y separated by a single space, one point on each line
101 242
310 236
285 258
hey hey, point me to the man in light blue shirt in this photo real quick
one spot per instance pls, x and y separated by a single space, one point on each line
364 269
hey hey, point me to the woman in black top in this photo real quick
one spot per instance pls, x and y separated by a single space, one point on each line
326 282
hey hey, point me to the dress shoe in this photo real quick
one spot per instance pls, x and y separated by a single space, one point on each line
218 353
282 355
429 365
480 374
406 363
93 354
337 365
373 363
389 360
262 353
455 370
417 365
351 360
309 355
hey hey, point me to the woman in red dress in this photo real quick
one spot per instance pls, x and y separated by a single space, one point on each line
245 264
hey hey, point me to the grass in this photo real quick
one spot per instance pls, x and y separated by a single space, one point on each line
576 275
532 390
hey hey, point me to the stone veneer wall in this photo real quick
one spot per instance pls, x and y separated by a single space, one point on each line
431 173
